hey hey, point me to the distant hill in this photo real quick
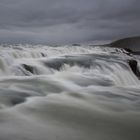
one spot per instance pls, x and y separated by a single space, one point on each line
132 43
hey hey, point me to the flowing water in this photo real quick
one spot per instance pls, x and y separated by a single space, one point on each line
68 93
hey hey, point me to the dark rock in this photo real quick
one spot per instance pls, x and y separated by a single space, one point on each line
134 67
128 51
76 45
43 55
28 68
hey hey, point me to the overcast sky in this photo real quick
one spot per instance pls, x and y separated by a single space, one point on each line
68 21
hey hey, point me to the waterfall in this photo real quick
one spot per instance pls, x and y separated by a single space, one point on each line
68 92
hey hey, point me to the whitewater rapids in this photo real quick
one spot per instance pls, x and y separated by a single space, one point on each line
68 93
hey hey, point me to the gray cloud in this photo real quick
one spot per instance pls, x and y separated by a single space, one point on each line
67 21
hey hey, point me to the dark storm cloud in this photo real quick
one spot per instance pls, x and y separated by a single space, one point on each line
67 21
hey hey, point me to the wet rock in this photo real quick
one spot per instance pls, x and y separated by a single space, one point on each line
128 51
134 67
28 68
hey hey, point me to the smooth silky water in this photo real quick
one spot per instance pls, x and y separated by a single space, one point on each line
68 93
